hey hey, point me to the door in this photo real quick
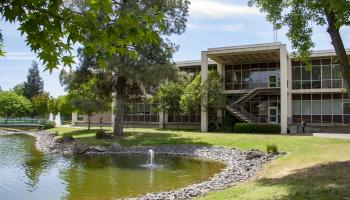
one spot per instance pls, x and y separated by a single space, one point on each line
273 115
272 81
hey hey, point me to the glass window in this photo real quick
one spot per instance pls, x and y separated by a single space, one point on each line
326 72
296 107
306 74
306 107
327 107
296 73
316 73
346 107
316 107
337 107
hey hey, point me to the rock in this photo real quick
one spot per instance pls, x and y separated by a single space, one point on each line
115 147
254 154
79 148
98 148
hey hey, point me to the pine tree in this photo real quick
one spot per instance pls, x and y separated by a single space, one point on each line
34 84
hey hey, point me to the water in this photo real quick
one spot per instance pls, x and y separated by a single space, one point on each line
26 173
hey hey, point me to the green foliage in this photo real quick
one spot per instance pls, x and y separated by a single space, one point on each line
40 104
257 128
64 105
168 96
47 124
101 134
18 89
14 105
191 99
272 148
67 137
193 93
34 84
53 106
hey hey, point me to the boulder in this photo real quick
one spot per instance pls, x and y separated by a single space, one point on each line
254 154
98 148
115 147
79 148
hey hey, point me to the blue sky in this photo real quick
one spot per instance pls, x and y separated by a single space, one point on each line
212 23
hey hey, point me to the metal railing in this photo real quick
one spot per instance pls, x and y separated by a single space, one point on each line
20 121
244 112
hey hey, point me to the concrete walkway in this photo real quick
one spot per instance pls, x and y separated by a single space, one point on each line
333 135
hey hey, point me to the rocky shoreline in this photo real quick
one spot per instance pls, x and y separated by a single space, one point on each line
240 166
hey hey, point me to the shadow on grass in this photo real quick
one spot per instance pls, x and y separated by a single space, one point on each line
324 181
138 138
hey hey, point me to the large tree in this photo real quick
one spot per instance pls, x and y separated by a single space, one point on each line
34 84
14 105
18 89
40 104
300 15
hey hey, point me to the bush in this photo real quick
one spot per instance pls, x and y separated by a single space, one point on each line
47 124
272 148
101 134
257 128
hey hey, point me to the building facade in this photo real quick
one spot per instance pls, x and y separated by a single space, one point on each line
263 83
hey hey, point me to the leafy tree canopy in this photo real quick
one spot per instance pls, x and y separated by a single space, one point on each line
107 28
64 105
18 89
40 104
14 105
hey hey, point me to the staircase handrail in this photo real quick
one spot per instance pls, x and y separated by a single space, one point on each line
242 111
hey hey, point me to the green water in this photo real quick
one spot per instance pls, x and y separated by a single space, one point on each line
26 173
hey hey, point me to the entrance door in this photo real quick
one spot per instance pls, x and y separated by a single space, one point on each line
272 81
273 115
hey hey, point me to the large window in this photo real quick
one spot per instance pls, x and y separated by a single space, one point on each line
324 73
141 112
250 76
321 108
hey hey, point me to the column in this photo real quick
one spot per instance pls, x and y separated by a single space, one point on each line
284 88
161 119
204 77
74 118
220 70
290 90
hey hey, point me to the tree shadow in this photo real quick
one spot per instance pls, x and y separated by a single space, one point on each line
323 181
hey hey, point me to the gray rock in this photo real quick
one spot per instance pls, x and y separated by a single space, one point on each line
98 148
254 154
79 148
115 147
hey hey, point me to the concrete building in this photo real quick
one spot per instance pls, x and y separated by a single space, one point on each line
263 83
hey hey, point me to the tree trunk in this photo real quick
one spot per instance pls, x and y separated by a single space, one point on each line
119 89
89 121
338 45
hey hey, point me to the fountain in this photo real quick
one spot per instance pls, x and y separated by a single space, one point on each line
151 157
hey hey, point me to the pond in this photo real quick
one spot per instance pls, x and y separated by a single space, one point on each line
29 174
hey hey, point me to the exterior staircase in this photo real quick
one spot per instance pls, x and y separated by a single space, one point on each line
236 108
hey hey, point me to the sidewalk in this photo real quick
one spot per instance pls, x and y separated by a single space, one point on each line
333 135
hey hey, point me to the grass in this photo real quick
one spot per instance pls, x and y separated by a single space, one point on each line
314 168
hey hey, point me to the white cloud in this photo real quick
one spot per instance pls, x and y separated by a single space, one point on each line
215 9
221 27
18 56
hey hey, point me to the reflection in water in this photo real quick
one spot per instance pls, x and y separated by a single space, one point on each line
29 174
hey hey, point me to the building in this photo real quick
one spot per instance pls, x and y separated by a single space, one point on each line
264 84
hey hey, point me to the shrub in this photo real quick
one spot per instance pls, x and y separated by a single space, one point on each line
272 148
257 128
47 124
101 134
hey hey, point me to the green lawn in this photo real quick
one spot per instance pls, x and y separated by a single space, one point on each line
314 168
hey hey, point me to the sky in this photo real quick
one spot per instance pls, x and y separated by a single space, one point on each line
211 23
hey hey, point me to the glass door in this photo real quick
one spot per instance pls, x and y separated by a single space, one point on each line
273 115
272 81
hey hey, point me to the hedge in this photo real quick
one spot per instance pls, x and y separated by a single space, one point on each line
257 128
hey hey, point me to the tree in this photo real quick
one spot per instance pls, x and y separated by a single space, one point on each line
40 104
0 89
194 92
14 105
34 84
18 89
64 105
87 102
128 40
300 15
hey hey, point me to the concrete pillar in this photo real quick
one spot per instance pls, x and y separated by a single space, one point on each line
204 77
74 118
289 90
58 120
161 119
221 71
284 88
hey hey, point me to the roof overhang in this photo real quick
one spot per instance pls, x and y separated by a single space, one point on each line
246 53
